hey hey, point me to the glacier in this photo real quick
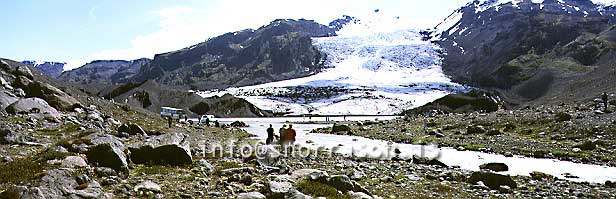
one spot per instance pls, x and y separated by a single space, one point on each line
373 69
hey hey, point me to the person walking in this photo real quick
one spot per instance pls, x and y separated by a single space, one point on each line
282 132
290 135
605 99
270 135
169 121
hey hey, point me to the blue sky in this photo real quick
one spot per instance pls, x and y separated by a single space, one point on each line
79 31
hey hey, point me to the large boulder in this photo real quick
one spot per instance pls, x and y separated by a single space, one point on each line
495 166
492 180
107 151
341 182
6 99
340 128
166 149
54 96
278 189
32 105
131 129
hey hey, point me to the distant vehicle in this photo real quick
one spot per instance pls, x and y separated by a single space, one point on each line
174 113
205 117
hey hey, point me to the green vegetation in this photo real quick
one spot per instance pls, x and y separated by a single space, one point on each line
473 147
225 165
61 130
51 155
318 189
20 171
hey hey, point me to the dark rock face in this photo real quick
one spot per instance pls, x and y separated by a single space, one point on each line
53 69
107 151
472 101
160 95
340 128
281 50
100 74
166 149
533 51
495 166
492 180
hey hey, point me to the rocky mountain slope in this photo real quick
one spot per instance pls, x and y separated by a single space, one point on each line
100 74
53 69
152 96
540 51
280 50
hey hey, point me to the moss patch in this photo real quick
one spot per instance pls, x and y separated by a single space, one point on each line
318 189
20 171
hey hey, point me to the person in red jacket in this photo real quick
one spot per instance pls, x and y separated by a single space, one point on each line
290 135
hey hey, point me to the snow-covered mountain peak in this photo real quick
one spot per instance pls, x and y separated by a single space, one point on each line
477 9
375 22
53 69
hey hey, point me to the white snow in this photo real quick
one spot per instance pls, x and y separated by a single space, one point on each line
379 72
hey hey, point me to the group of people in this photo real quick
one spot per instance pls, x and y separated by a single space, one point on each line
285 135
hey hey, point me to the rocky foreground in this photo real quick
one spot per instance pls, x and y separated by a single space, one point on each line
59 145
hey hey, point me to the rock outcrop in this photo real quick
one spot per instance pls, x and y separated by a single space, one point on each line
107 151
166 149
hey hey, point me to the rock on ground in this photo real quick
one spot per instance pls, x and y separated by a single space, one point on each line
495 166
340 128
107 151
166 149
148 186
251 195
131 129
492 180
32 105
58 183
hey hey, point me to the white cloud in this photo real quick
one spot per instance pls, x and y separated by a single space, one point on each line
186 25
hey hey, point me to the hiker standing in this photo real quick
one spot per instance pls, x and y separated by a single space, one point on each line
207 121
604 97
290 135
169 121
282 132
270 135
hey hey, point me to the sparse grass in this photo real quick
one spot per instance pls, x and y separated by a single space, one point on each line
318 189
51 155
473 147
61 130
225 165
20 171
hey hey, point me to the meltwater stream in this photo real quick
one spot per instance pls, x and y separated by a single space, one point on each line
468 160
